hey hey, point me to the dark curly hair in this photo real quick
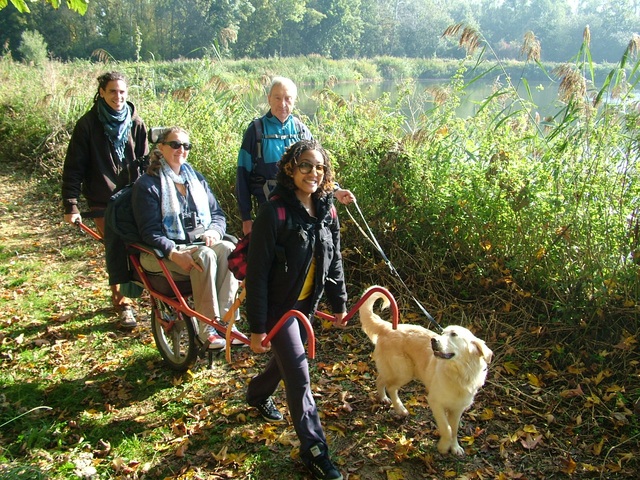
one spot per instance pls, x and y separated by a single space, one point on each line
104 79
289 160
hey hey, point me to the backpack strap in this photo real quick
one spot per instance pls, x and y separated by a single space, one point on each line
282 215
257 126
298 123
281 212
237 259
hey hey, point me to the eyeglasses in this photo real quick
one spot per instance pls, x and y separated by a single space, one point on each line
306 167
176 145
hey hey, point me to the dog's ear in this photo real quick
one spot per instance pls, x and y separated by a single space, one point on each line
482 350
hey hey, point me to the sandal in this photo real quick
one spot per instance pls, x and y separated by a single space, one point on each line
127 318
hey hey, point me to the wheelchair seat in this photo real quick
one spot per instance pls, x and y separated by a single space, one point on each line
160 284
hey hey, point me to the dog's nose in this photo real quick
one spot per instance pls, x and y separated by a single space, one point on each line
435 344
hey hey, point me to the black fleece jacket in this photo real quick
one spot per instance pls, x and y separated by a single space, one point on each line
91 164
280 256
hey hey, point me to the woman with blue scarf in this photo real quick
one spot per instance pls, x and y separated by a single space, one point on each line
102 158
174 207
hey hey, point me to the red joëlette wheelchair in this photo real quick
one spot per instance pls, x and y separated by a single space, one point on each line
174 321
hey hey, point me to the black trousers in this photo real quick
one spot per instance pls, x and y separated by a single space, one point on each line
289 363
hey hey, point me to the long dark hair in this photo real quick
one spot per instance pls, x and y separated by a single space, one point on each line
104 79
287 164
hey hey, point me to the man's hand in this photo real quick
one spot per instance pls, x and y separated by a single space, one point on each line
345 197
184 259
210 237
72 218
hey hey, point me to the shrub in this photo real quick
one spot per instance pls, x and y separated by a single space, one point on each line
33 48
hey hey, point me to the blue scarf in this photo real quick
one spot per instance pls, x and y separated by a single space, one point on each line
117 125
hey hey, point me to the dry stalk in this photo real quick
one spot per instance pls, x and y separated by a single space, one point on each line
572 83
586 36
227 36
531 47
440 94
469 39
634 45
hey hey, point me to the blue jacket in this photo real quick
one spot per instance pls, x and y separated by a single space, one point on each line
280 256
251 172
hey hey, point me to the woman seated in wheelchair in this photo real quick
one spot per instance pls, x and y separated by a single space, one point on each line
175 208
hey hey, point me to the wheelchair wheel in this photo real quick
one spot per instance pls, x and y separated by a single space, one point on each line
175 336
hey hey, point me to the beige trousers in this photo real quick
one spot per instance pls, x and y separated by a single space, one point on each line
214 289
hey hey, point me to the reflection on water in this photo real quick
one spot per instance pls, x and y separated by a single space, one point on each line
544 96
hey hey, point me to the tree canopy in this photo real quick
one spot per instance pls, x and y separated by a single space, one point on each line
79 6
166 29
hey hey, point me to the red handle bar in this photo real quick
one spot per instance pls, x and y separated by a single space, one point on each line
394 307
305 323
88 230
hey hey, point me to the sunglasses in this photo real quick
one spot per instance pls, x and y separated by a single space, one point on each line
176 145
306 167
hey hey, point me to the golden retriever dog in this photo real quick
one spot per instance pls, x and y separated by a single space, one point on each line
452 366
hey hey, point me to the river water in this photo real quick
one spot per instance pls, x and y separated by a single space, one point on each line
543 95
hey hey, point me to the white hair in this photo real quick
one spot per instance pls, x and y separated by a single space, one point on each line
285 82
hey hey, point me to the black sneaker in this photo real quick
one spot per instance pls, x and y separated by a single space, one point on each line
318 462
269 411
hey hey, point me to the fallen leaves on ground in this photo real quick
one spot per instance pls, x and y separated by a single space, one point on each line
560 401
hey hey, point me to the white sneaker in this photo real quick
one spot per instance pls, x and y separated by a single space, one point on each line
210 334
216 342
237 341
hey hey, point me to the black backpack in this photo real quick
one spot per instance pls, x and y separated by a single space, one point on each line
118 217
120 229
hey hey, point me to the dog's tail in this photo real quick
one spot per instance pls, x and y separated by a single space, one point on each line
372 324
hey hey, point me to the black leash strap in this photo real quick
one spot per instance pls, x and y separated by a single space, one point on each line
372 239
